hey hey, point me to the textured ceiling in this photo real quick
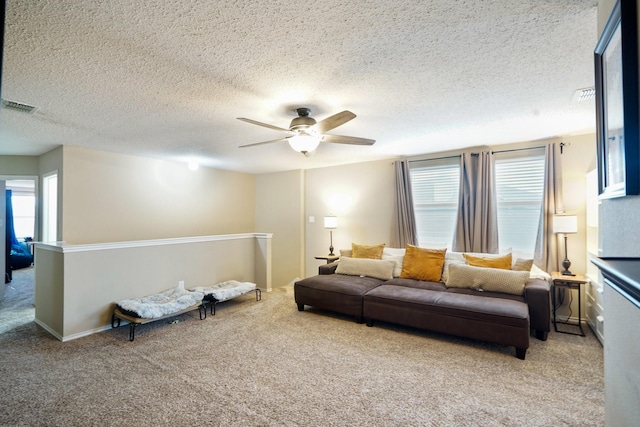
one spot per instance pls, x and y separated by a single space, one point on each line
167 79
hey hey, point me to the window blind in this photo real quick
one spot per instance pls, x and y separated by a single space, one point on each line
519 187
435 186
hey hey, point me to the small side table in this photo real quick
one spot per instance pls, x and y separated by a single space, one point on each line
328 258
568 282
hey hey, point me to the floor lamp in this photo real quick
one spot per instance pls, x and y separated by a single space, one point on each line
565 224
330 223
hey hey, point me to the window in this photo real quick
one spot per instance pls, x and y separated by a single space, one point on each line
23 201
50 207
435 187
519 186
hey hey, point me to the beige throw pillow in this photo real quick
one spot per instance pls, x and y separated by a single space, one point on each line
522 264
377 268
487 279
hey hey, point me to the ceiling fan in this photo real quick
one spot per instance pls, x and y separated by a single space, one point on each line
305 134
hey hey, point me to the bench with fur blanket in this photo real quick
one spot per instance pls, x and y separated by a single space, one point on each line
225 291
169 303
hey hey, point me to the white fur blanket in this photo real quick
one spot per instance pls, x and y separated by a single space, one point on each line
162 304
226 290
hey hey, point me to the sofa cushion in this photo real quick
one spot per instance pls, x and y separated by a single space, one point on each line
489 260
364 251
487 279
423 264
418 284
335 292
491 310
378 268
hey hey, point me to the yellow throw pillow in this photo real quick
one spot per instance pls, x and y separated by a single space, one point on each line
503 262
423 264
363 251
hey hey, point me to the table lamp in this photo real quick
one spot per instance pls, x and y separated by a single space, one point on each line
565 224
330 223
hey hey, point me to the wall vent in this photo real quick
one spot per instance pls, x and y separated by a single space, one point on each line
18 106
584 94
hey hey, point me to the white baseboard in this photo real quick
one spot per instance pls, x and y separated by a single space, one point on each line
74 336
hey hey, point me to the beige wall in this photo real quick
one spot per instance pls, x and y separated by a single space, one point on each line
18 166
361 195
49 163
110 197
578 159
49 291
76 285
279 210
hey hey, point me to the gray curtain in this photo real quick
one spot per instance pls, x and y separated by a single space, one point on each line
405 232
477 226
546 252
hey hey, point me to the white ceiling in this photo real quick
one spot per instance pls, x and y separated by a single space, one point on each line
167 79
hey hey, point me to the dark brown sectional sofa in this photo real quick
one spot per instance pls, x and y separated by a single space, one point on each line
488 316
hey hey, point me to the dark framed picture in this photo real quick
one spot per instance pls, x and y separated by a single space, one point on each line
616 72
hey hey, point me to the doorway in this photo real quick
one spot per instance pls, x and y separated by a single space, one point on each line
17 298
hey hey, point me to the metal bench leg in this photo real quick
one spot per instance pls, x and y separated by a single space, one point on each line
258 294
113 321
132 331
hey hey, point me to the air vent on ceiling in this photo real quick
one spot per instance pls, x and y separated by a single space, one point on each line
584 94
18 106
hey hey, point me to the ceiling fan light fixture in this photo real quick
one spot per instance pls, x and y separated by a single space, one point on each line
304 143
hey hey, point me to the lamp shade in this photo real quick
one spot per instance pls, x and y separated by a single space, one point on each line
565 224
304 143
330 222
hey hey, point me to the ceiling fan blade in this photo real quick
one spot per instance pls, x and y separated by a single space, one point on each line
266 125
333 122
264 142
341 139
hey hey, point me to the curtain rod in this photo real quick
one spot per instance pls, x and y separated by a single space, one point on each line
435 158
562 145
521 149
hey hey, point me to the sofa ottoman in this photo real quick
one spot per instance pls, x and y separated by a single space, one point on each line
497 320
332 292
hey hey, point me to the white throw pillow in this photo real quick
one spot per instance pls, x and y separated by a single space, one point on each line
397 256
537 273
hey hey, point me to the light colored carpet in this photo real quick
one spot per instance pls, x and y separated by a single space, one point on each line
16 302
264 363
